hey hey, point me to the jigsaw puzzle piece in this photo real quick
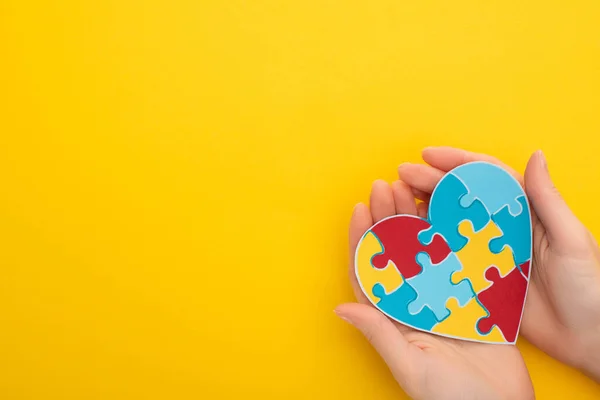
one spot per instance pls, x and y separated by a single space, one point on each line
445 213
398 236
504 302
475 257
394 304
525 268
462 322
516 232
368 276
434 286
492 185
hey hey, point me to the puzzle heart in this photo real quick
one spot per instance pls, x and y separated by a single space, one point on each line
464 272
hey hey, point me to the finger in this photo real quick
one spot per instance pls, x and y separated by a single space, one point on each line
447 158
419 176
421 195
562 226
404 198
382 201
422 209
360 222
388 341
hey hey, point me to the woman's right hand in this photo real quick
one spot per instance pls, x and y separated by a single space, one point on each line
562 310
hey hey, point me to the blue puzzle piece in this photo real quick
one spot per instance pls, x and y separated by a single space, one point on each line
445 213
395 305
434 286
491 185
516 232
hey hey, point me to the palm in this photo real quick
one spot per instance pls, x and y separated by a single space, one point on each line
440 367
564 292
452 369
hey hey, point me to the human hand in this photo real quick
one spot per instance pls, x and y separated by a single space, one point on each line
428 366
562 310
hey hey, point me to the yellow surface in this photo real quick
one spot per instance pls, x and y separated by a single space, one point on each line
476 256
150 148
463 322
368 275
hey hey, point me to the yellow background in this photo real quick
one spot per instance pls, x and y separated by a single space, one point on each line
176 178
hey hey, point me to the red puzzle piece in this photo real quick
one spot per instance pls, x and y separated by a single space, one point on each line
398 237
525 268
504 302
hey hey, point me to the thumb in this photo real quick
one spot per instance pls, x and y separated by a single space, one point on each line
383 335
554 213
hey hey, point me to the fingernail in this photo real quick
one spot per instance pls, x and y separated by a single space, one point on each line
429 148
543 160
404 164
342 317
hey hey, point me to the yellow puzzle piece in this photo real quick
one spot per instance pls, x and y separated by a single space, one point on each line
476 256
389 277
462 322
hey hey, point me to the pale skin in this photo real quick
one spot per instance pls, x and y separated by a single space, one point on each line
562 311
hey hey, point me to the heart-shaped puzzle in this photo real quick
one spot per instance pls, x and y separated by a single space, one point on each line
463 272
